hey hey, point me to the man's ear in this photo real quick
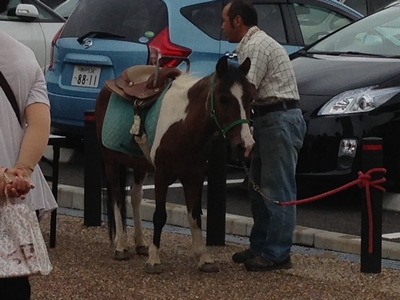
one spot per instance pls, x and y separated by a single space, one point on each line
237 21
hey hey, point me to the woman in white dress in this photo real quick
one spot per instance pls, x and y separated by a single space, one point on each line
23 141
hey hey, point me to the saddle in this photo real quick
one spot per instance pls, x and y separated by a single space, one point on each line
141 85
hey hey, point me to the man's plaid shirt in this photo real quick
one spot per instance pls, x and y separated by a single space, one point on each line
271 70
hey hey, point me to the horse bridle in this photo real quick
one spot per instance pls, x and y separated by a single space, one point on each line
214 116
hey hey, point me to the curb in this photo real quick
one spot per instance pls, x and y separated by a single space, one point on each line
73 198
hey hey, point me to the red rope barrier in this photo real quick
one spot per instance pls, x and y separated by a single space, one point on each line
363 181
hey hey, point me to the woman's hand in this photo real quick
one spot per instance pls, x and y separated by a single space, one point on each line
15 182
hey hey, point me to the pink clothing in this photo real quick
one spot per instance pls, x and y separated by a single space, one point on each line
25 77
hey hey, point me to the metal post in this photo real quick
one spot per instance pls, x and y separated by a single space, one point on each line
216 193
371 158
54 188
92 173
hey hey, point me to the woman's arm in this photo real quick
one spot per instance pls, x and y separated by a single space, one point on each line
36 137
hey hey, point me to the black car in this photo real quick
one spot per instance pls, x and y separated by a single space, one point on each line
349 84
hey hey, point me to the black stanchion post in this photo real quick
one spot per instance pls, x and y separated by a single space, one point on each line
54 188
371 158
216 193
92 173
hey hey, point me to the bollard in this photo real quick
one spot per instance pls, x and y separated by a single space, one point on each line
54 189
216 193
372 158
92 173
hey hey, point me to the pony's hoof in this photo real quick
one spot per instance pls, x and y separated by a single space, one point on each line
122 255
209 268
152 269
142 250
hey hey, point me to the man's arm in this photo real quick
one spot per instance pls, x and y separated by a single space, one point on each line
259 64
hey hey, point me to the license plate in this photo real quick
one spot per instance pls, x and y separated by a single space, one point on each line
86 76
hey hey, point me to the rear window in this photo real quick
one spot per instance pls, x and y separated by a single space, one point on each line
135 20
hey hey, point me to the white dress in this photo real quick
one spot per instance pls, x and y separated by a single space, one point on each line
25 77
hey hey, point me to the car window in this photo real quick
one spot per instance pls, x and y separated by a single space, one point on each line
358 5
44 15
270 20
66 8
208 18
316 22
52 3
205 16
136 21
379 34
366 6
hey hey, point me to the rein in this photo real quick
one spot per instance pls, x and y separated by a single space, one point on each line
214 116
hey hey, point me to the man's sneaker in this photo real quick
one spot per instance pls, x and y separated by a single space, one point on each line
242 256
261 264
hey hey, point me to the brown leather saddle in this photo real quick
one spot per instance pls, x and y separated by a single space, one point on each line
142 84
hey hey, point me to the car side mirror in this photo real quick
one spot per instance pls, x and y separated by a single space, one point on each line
28 11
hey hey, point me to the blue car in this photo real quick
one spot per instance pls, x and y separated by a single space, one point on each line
101 38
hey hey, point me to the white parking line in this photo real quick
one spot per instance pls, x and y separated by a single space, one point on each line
178 185
391 236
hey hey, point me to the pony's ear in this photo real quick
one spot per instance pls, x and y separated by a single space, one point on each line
253 91
245 66
222 66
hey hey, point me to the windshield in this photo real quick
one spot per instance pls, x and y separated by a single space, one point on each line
135 20
377 34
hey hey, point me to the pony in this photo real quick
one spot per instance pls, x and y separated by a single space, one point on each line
192 112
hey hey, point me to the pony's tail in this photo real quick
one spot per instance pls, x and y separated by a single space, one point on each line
120 202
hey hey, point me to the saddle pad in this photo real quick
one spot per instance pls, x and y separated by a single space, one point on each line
119 120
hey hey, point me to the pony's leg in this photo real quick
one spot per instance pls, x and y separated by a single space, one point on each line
136 199
153 264
117 207
121 248
193 190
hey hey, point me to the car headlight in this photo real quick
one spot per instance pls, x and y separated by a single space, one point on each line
358 101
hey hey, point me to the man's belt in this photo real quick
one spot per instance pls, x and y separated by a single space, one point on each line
282 105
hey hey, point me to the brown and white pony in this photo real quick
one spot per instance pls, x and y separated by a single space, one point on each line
192 112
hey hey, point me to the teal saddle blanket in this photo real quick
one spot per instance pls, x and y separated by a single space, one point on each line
118 122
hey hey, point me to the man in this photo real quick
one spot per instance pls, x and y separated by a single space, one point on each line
279 130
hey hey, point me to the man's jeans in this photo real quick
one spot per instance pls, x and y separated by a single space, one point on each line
279 138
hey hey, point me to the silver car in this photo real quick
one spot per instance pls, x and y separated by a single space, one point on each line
34 24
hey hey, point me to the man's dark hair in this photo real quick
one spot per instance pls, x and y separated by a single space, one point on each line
4 5
244 9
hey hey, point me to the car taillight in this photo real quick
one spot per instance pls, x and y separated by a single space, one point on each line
53 43
161 45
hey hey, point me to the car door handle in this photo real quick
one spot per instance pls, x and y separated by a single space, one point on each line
231 55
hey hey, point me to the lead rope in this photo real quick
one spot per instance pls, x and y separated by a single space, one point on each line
255 185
